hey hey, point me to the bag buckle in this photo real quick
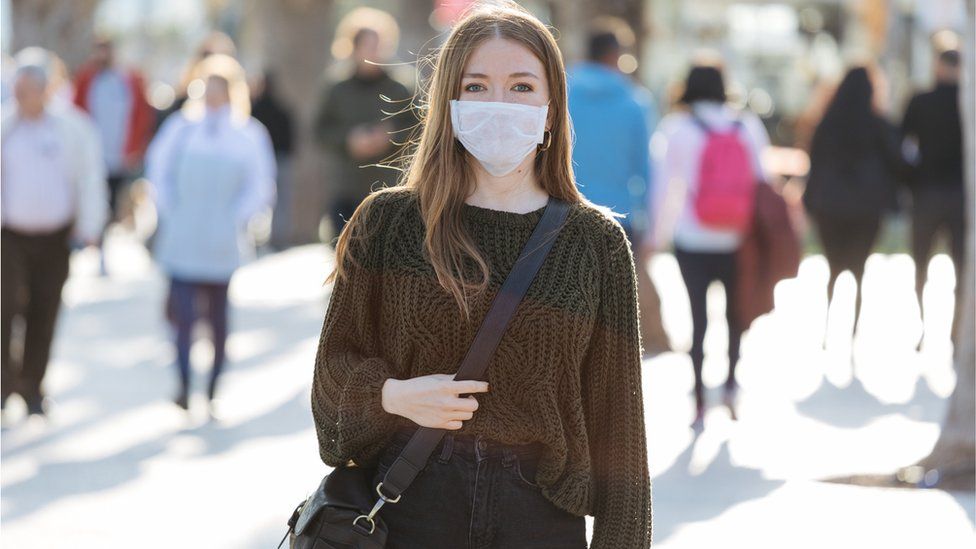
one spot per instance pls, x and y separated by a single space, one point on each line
383 497
372 524
376 507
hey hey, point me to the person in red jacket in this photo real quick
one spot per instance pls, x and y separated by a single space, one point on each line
115 98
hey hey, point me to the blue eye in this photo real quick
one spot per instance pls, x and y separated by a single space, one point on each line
474 88
522 88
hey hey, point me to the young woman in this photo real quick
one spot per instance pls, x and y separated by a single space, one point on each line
212 168
854 163
557 431
705 251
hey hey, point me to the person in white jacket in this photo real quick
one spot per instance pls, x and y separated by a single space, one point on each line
52 194
212 168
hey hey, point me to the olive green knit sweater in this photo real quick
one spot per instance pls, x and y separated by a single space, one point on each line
566 373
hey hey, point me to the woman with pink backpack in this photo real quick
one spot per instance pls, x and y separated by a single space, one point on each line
708 166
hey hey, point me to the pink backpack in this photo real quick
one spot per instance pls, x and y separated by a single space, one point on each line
726 181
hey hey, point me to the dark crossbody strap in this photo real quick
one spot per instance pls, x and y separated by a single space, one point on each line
421 445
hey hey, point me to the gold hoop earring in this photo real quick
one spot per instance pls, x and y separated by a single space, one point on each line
546 140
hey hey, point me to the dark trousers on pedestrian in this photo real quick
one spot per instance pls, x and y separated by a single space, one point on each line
847 243
117 184
476 494
699 270
936 209
190 301
34 270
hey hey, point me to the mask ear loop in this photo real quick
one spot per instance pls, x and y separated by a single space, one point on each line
546 140
546 135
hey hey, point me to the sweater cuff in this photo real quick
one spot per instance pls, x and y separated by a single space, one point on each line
363 423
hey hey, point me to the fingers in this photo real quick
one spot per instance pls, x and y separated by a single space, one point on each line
464 387
456 411
466 404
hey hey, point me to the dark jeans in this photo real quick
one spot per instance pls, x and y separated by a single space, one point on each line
699 270
34 269
933 210
847 243
190 301
476 494
117 184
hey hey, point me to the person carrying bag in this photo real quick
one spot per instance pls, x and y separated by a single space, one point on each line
485 253
335 514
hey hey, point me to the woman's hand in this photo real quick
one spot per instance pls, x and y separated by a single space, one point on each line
432 400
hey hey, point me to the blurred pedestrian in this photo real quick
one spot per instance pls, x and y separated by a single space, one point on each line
933 126
854 163
710 152
612 120
353 123
212 169
115 98
213 43
54 192
270 110
560 432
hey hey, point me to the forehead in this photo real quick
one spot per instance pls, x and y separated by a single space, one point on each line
500 57
30 76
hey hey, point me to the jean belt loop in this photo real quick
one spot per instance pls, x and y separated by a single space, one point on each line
480 448
447 449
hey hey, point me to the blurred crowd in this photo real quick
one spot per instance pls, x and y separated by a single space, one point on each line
689 175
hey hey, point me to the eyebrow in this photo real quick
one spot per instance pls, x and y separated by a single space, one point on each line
513 75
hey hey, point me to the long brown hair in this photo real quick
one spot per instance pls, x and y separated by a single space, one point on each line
439 169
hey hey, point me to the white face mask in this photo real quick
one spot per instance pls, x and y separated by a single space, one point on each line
499 135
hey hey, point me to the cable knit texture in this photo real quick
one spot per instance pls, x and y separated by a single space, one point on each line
566 373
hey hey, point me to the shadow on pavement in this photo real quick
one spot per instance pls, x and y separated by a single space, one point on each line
703 496
852 407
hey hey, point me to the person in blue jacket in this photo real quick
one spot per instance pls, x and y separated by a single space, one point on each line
613 119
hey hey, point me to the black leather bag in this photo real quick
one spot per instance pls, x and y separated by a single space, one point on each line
330 517
342 512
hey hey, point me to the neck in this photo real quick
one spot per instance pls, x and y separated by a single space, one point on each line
32 114
368 72
517 192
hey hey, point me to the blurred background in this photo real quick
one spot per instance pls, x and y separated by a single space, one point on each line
855 422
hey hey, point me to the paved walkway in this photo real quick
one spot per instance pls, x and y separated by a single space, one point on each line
116 465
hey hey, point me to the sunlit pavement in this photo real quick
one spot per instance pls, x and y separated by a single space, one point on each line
118 465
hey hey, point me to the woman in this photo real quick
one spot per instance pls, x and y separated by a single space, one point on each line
560 432
704 247
854 162
212 169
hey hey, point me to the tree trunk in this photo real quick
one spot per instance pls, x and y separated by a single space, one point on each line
954 453
293 38
66 28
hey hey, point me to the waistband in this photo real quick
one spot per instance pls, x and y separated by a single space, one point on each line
473 445
46 235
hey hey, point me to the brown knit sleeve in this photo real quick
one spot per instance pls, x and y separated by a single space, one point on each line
614 408
350 421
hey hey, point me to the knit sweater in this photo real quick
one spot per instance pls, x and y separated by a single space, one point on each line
566 373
